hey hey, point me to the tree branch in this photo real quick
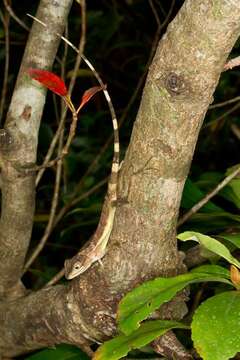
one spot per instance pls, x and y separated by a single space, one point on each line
33 327
178 91
19 146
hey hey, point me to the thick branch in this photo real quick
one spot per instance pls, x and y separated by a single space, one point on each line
179 88
44 318
19 147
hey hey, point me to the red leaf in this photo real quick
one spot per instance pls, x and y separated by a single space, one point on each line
50 80
88 94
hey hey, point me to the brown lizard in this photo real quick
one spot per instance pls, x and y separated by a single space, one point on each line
97 246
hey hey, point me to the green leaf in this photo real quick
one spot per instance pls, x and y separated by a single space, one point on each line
235 186
215 327
213 270
61 352
119 347
211 244
138 304
232 238
192 194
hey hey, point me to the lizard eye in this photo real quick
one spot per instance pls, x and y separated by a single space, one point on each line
77 267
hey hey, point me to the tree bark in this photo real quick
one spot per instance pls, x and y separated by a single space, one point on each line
18 146
179 87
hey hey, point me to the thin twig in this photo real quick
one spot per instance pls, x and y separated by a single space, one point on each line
63 108
167 18
66 147
232 63
51 220
89 64
55 278
80 49
77 199
63 66
224 103
81 46
14 16
229 112
155 13
48 229
5 21
51 148
106 94
209 196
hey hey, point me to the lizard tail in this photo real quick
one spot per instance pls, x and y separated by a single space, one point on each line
113 181
112 184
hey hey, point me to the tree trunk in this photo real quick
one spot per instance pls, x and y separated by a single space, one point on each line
179 87
18 146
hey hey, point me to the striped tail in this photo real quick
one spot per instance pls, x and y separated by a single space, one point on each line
112 184
113 181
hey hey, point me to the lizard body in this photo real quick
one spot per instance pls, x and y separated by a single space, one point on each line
96 248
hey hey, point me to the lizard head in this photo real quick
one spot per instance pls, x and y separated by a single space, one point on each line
73 267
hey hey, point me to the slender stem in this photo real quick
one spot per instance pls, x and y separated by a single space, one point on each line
55 278
232 63
49 226
14 16
209 196
79 51
229 112
224 103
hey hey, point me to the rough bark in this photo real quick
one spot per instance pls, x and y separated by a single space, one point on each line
18 146
178 90
43 318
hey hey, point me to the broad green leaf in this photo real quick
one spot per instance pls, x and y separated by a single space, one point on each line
119 346
138 304
232 238
235 186
216 327
192 194
211 244
61 352
213 270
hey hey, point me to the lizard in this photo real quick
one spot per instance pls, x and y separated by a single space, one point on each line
96 249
